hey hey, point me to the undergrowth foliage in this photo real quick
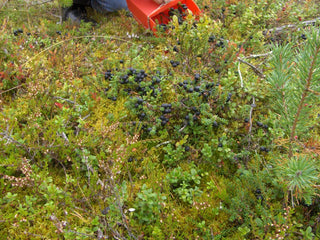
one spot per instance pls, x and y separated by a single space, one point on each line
209 130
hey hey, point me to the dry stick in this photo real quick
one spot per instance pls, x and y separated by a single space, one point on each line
280 29
303 97
10 139
240 75
184 126
160 144
64 99
254 68
253 105
259 55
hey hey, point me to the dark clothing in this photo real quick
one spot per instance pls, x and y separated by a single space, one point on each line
103 5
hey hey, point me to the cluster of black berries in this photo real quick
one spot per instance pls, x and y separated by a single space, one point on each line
135 85
139 102
211 39
138 105
163 27
124 79
219 42
164 120
260 124
17 32
264 149
180 12
139 76
174 63
195 114
259 195
195 86
166 108
108 75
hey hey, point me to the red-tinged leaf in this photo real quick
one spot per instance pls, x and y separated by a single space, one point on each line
59 105
241 49
94 96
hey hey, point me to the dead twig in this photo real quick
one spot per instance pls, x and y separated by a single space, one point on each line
7 136
259 55
289 26
66 100
258 71
184 126
240 75
253 105
160 144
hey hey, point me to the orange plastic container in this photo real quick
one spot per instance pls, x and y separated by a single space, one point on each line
149 14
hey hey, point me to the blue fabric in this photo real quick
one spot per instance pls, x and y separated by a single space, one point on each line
109 5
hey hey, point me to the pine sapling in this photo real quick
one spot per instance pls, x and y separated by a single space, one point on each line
295 85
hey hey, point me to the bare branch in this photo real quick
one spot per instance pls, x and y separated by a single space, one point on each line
280 29
259 55
64 99
185 125
253 105
160 144
240 75
64 136
258 71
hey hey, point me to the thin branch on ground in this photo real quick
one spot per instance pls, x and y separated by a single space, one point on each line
282 28
254 68
253 105
185 125
259 55
64 136
64 99
240 75
160 144
7 136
